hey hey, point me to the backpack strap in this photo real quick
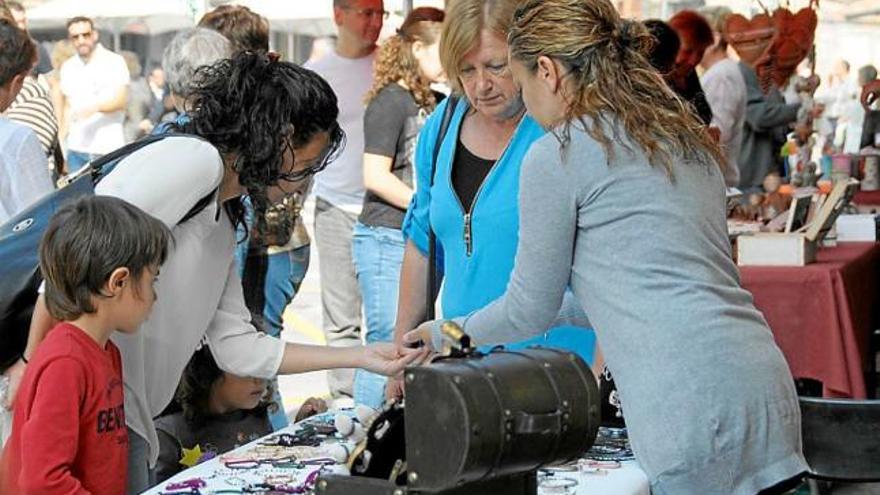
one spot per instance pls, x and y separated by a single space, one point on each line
441 134
432 285
199 206
105 164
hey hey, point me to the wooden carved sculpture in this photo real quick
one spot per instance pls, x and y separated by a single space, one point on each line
774 44
794 42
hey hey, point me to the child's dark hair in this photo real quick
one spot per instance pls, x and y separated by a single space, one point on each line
194 390
260 108
88 239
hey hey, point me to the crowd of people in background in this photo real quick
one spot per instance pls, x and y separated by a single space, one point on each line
423 152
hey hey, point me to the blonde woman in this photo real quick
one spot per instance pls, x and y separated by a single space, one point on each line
624 202
397 105
470 200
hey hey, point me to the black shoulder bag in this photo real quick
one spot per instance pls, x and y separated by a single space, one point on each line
432 282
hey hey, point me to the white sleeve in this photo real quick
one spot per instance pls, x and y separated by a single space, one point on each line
31 179
166 178
236 345
720 93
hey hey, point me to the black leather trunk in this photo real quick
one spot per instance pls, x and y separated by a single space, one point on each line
498 414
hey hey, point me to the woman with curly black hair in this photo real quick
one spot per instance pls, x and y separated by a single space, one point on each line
260 127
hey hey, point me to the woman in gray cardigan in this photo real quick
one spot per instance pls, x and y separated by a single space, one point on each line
625 202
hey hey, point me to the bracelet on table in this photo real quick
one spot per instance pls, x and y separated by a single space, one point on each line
279 479
318 461
565 468
593 463
557 485
594 471
190 483
188 491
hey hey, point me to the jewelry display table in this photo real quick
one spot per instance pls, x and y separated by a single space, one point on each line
262 466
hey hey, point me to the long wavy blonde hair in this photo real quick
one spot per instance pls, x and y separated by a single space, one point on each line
396 62
613 80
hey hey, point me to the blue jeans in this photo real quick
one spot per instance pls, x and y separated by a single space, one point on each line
377 253
285 272
283 278
140 476
77 159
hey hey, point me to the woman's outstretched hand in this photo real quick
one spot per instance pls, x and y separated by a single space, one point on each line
387 359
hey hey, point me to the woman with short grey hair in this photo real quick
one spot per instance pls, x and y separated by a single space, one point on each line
188 51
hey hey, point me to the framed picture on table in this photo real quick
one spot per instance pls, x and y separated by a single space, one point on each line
834 204
798 213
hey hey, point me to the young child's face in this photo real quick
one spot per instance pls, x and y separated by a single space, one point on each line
234 392
137 300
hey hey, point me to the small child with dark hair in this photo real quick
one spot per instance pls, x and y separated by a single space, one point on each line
219 412
100 257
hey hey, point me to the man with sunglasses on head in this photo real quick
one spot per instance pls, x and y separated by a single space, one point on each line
94 88
339 190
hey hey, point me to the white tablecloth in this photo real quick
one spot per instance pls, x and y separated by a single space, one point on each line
629 479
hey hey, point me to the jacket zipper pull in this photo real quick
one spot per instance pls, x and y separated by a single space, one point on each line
468 241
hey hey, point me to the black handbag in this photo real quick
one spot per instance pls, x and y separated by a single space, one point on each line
19 247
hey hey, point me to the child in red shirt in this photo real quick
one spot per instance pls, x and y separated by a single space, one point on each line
99 257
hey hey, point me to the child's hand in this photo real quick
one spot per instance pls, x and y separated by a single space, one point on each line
387 359
394 388
14 374
310 407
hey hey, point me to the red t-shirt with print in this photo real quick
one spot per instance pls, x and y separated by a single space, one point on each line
68 427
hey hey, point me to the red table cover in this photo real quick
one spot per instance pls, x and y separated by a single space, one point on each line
867 198
822 314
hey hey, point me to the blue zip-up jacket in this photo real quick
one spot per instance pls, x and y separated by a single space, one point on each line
475 254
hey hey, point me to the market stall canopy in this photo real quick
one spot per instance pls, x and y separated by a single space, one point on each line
157 15
859 11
